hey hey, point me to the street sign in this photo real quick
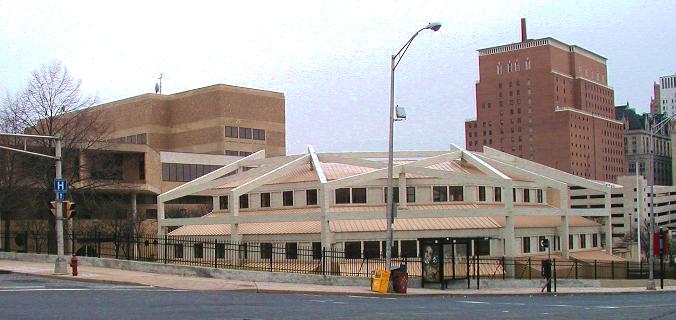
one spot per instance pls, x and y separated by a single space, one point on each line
660 244
60 196
60 185
544 243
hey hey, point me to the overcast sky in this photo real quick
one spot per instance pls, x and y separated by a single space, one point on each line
329 58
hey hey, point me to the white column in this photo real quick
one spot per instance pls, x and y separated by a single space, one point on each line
233 207
161 231
325 205
564 229
215 203
402 190
508 232
609 224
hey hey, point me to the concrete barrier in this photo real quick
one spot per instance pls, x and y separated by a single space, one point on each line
195 271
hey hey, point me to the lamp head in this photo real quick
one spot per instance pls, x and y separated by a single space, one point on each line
434 26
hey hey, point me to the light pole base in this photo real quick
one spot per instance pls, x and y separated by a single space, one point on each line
651 285
60 266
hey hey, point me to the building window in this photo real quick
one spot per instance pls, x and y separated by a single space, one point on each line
595 240
342 195
220 251
526 195
409 248
244 201
198 249
311 197
245 133
223 202
232 153
231 132
570 242
353 250
244 153
316 250
291 249
539 196
395 194
440 193
395 248
178 250
265 200
150 214
482 193
258 134
266 250
583 241
358 195
482 247
541 248
497 194
456 193
513 195
410 194
287 198
371 249
526 244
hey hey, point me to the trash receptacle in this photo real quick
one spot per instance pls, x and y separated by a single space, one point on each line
400 279
380 281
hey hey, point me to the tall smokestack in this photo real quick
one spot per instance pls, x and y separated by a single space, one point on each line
524 37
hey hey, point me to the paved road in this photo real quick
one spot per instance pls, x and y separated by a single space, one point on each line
25 297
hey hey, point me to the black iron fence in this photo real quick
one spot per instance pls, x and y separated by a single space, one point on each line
311 258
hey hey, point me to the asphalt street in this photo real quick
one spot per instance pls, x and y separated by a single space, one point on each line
26 297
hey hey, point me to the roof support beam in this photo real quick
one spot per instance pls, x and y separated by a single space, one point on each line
198 184
270 176
316 164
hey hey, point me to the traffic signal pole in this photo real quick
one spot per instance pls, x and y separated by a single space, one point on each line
60 265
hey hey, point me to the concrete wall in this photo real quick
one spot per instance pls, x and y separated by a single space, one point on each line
193 271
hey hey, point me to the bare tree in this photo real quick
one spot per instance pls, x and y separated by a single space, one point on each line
50 104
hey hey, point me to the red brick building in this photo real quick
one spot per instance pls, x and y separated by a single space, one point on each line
547 101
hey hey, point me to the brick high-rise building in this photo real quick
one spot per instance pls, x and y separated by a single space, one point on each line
549 102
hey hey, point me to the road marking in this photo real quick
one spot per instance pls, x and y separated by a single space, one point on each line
340 302
390 298
21 287
474 302
558 305
320 301
364 297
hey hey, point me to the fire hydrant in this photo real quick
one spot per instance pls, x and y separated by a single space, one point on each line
73 264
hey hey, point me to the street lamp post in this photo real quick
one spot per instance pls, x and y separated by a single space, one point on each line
390 161
651 231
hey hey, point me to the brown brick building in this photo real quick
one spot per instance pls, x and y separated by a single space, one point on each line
550 102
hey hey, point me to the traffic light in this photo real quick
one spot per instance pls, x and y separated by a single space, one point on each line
52 207
69 209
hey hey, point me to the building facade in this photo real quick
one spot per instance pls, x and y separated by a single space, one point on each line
337 200
637 145
664 100
549 102
158 142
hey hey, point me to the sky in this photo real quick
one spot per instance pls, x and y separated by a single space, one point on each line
329 58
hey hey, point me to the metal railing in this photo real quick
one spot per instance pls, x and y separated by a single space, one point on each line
310 258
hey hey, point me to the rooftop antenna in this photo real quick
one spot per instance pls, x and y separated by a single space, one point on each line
158 86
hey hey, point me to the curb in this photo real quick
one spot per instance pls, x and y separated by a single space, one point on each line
73 278
256 289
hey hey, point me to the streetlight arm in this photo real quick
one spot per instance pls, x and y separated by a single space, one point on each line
400 54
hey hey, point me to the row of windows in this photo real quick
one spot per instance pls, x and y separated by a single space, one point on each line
265 199
359 196
185 172
582 243
244 133
237 153
132 139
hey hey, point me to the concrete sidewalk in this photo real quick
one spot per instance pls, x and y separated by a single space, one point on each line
116 276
